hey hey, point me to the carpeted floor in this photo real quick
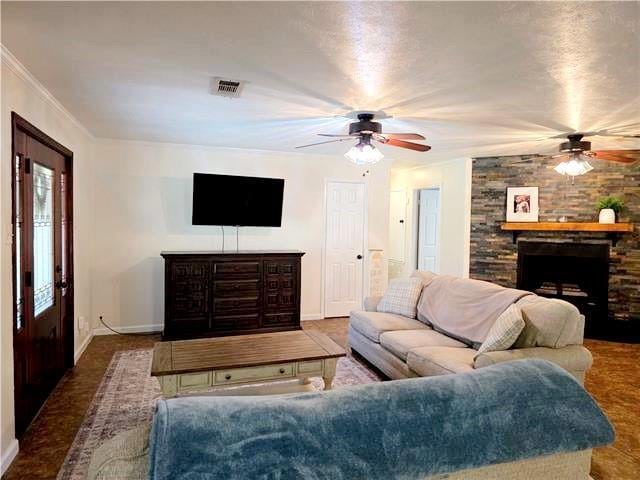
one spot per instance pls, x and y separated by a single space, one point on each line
614 381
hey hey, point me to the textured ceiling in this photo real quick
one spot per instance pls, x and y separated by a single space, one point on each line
477 78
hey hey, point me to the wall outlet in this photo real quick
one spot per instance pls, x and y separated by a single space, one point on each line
82 323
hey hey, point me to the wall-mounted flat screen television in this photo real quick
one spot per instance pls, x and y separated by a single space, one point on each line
237 201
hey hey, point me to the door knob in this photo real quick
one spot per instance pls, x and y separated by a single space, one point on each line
61 284
359 257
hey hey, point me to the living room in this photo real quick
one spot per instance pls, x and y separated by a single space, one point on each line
495 144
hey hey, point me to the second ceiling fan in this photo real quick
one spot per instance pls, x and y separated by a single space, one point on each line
366 131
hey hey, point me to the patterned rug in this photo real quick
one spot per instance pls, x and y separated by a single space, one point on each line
126 398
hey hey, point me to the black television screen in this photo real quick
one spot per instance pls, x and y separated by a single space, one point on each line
234 200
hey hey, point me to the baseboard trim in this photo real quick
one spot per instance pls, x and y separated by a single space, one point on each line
82 348
158 327
8 456
311 316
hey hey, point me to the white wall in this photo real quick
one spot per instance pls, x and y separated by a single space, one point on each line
143 206
22 94
454 179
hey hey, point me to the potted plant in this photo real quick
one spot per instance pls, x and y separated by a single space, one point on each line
609 208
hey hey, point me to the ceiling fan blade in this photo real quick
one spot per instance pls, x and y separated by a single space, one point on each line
328 141
623 156
619 135
401 143
404 136
332 135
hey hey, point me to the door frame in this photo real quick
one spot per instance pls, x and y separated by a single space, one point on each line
365 239
415 231
20 125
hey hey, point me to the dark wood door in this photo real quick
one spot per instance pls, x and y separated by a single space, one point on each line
43 332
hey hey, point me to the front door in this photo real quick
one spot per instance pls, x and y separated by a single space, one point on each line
43 332
344 248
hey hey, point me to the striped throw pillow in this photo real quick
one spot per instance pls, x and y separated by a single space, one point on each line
401 297
504 333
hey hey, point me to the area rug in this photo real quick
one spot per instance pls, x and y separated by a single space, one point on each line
126 398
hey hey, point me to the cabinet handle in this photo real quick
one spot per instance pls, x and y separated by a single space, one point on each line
227 376
282 370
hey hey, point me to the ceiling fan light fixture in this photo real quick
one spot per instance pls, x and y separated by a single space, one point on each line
576 164
364 154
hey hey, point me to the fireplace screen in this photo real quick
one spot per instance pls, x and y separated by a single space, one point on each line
575 272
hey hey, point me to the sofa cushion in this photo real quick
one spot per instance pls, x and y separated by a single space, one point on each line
399 342
428 361
401 297
504 332
463 308
372 324
426 277
549 323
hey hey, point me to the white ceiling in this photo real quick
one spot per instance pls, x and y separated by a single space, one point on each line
476 78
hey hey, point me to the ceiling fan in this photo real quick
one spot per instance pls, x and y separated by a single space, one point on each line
575 153
365 130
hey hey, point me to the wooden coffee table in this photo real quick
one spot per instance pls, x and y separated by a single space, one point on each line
190 366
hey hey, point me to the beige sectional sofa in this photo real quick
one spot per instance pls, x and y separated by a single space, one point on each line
404 347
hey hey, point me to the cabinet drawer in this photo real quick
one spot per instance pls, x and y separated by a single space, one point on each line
194 380
231 304
236 322
278 319
310 367
235 268
267 372
235 288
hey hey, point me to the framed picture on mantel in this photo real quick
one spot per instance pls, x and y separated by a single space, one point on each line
522 204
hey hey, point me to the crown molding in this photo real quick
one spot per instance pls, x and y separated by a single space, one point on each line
21 71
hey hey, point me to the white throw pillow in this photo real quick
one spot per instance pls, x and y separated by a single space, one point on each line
401 297
505 331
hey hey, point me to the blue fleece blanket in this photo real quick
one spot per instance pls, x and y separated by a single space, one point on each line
404 429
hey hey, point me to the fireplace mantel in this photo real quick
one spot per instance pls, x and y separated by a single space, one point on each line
613 230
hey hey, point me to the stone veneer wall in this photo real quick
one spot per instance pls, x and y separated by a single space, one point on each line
493 253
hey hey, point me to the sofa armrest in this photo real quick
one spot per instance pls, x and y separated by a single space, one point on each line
371 303
576 359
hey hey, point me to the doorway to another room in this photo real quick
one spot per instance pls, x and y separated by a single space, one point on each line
414 231
42 267
344 247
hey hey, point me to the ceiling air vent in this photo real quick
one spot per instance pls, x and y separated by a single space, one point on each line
225 87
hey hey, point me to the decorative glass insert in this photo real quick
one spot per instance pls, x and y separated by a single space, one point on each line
17 202
43 275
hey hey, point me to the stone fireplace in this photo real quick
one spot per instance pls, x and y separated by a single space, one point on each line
575 263
575 272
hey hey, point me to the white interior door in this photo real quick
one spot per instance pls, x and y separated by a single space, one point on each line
429 230
397 214
344 258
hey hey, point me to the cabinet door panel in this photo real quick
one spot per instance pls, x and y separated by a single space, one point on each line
188 294
280 285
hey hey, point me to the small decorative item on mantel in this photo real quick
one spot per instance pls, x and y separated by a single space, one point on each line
522 204
609 208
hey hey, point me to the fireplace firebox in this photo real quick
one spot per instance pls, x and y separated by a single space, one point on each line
575 272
